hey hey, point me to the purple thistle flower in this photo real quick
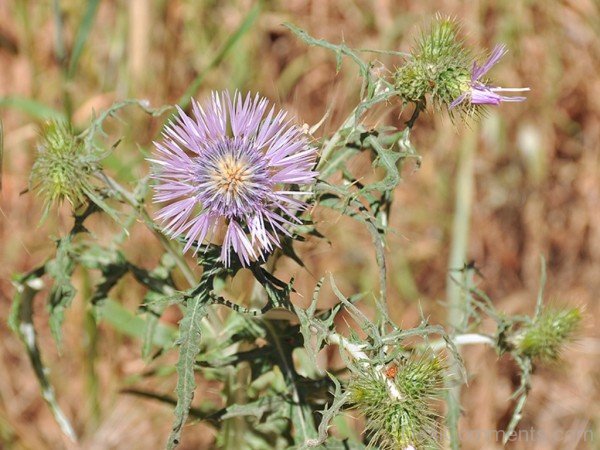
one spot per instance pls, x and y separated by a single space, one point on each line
231 165
483 94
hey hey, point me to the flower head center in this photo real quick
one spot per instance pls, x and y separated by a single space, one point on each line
230 174
233 179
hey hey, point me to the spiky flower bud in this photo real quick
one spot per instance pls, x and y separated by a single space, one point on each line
61 170
397 403
439 66
547 335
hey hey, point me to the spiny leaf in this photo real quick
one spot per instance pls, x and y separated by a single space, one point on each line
329 413
189 346
97 125
339 50
60 268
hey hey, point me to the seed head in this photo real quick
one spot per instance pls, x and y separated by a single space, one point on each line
61 170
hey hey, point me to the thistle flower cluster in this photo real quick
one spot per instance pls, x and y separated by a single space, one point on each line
62 167
237 165
407 420
442 69
547 335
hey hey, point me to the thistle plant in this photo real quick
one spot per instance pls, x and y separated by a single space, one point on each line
234 178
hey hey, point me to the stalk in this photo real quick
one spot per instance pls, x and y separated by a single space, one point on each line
456 299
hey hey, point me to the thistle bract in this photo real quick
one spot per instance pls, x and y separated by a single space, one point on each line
62 167
441 68
236 164
405 420
548 334
438 66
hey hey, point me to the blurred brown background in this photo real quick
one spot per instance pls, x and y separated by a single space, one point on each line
537 189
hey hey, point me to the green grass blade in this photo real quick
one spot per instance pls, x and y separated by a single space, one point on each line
250 18
82 34
129 324
31 107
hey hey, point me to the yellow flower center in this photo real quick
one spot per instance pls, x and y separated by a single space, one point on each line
230 175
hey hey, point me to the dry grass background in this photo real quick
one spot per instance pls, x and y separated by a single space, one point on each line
537 190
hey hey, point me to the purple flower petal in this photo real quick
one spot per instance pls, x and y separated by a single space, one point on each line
479 93
499 51
232 162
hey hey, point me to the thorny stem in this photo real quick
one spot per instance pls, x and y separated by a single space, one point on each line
329 147
357 350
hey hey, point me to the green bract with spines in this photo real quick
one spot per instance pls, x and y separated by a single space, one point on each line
547 335
439 66
421 376
407 418
62 168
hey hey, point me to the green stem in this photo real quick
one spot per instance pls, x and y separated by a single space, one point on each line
305 423
454 294
91 350
330 145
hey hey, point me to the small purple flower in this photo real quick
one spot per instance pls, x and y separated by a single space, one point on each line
232 166
483 94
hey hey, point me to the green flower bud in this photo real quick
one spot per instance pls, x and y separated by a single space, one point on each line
397 403
547 335
61 170
439 66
